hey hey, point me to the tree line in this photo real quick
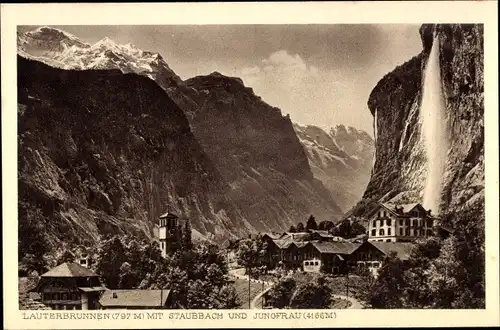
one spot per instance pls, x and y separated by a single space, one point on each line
346 228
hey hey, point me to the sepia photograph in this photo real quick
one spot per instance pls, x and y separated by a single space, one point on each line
257 167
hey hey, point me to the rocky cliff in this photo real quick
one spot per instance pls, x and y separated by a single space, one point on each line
256 150
103 152
342 159
401 167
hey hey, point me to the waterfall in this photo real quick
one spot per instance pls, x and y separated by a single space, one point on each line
433 129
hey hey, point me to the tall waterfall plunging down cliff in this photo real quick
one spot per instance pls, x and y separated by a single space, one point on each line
433 126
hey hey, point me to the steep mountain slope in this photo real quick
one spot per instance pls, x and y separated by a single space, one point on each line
250 143
257 151
342 160
401 166
103 152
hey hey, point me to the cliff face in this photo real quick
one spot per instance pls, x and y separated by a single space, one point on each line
103 152
341 159
256 150
400 169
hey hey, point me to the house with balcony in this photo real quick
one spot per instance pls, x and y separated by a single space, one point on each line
400 223
70 286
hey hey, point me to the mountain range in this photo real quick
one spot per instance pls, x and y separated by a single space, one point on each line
111 137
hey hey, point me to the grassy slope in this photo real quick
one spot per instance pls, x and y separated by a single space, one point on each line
241 287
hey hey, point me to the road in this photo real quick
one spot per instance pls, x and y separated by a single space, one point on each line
240 273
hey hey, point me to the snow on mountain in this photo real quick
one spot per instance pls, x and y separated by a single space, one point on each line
63 50
342 160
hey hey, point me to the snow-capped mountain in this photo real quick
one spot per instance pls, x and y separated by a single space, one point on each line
64 50
341 159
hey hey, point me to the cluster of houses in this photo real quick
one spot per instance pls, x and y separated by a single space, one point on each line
391 229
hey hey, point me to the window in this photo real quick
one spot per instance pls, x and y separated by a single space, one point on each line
388 231
381 232
422 232
381 223
400 222
389 222
407 231
376 264
429 223
374 232
401 231
306 263
429 232
316 263
388 240
407 222
374 223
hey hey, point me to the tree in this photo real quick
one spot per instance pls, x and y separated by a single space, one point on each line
186 238
228 298
326 225
67 256
281 293
316 295
251 253
111 256
292 229
311 223
128 277
300 227
346 229
390 284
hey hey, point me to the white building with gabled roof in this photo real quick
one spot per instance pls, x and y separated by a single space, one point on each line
400 223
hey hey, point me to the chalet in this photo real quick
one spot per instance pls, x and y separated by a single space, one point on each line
400 223
372 254
136 299
70 286
332 256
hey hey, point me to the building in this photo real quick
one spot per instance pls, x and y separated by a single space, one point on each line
400 223
136 299
169 233
372 254
70 286
333 256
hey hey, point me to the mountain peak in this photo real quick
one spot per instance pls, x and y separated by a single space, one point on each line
106 42
51 34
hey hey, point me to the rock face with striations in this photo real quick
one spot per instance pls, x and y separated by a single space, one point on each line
103 152
401 165
257 151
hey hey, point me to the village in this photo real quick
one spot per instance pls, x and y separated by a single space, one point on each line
392 231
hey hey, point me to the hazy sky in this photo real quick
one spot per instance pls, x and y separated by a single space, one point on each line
319 74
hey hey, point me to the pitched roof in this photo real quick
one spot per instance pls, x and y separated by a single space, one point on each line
168 214
335 247
408 207
283 243
134 298
322 233
272 235
69 269
402 249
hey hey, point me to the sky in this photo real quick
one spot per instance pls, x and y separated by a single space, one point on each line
318 74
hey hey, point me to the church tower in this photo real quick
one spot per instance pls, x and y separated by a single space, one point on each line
169 233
